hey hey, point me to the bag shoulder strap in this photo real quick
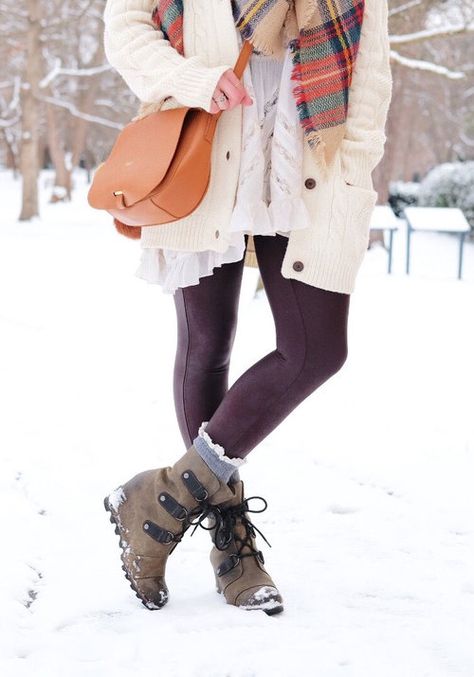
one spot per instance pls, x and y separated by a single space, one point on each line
243 58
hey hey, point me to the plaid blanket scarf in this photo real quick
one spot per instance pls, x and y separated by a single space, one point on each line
323 36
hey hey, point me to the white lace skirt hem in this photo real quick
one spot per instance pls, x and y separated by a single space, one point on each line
281 215
172 269
289 214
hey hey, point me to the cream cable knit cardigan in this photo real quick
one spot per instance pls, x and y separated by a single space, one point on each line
330 252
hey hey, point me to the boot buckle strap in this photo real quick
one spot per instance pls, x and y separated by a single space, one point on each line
194 486
228 564
158 533
172 506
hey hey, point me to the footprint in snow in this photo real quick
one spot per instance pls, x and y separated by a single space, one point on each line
342 509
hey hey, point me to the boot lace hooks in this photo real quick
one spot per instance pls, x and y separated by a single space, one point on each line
224 520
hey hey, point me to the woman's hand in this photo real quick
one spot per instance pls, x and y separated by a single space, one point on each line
229 93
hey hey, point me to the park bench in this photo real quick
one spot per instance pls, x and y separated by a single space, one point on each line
383 219
437 220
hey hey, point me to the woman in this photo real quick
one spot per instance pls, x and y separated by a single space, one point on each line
291 188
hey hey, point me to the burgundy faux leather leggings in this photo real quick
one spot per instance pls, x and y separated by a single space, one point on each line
311 346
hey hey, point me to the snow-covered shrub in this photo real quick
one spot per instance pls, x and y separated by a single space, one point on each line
402 194
450 185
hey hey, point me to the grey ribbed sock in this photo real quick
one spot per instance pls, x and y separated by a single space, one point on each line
225 470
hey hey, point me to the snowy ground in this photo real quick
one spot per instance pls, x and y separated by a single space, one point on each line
369 482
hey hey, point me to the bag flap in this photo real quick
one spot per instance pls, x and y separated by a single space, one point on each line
138 161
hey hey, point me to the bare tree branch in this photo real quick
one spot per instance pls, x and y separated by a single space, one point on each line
76 72
420 36
78 114
425 66
9 123
403 8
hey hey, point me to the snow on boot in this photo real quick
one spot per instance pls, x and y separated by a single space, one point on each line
238 564
151 513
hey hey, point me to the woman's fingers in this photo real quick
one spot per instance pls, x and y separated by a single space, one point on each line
233 93
214 107
246 99
229 93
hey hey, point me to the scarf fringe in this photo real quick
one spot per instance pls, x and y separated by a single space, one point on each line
318 148
262 44
267 35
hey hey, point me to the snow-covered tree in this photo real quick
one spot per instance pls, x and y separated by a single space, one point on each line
450 185
60 101
430 119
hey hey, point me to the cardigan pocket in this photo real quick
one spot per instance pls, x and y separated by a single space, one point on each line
360 203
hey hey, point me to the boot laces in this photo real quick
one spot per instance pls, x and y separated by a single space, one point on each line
225 520
196 516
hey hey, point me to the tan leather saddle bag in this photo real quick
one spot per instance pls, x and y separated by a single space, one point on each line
159 167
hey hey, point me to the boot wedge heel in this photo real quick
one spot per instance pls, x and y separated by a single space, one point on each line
151 604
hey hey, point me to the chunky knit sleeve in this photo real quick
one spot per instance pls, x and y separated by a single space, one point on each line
370 93
148 63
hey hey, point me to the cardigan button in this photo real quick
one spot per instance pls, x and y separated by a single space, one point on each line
227 155
217 233
298 266
310 183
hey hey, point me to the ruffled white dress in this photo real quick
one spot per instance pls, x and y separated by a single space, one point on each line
269 194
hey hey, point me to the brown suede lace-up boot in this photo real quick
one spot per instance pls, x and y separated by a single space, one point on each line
151 513
238 564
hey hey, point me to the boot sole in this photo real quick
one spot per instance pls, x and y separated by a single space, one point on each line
275 611
270 612
114 521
